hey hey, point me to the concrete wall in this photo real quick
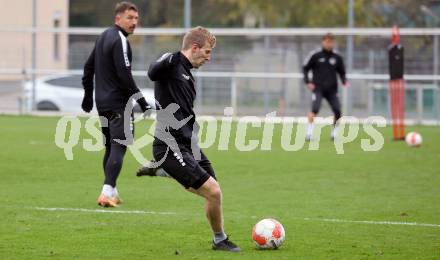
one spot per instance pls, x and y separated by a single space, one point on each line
16 47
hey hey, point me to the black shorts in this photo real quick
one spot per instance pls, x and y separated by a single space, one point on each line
188 171
115 126
332 99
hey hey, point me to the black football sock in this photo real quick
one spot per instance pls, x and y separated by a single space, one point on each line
106 155
114 164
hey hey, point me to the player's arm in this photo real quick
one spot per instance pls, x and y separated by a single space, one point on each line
308 65
123 71
161 67
340 68
87 82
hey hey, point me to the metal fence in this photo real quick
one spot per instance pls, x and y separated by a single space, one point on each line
256 71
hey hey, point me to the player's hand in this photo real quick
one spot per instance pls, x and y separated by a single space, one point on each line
311 86
146 107
346 84
87 103
146 111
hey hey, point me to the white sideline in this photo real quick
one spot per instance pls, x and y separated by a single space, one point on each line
306 219
107 211
373 222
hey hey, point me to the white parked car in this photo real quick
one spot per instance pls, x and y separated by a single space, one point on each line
65 93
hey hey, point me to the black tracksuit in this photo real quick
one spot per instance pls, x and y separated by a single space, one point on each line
110 65
325 66
176 147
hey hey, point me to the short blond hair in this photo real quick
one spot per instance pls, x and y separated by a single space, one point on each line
199 36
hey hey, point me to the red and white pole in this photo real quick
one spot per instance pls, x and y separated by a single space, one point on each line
397 85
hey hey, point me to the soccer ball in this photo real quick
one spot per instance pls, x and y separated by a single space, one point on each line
413 139
268 234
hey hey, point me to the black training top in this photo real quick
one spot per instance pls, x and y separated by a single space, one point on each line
324 65
174 83
110 63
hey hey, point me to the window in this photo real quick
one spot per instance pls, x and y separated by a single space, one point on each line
56 37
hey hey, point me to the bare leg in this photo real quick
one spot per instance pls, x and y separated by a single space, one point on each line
211 191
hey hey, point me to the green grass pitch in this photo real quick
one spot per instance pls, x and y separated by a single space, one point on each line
307 191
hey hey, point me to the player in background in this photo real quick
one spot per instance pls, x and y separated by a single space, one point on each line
325 64
110 65
176 147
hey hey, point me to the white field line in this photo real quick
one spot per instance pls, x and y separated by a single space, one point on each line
107 211
373 222
141 212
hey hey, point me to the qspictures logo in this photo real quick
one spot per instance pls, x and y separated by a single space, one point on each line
222 133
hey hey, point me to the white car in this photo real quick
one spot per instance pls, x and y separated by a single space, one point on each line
65 93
